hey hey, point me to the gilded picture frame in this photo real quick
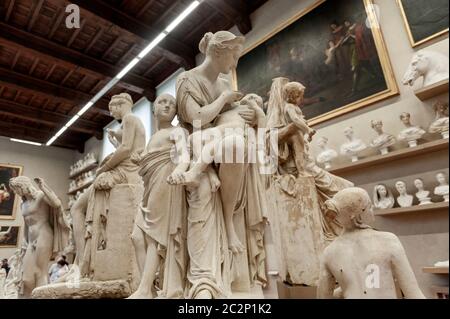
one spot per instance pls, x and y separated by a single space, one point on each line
406 21
8 200
381 50
9 238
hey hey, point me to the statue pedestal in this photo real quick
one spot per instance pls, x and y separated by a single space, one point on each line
296 229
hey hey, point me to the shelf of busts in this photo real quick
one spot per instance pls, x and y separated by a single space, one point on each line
436 270
432 90
413 209
79 188
88 168
409 152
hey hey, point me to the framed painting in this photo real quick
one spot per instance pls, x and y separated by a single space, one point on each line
8 200
9 236
335 48
424 20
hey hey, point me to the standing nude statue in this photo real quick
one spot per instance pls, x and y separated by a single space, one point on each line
364 262
46 231
159 234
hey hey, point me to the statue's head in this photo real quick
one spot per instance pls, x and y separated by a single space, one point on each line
377 125
120 105
223 48
441 178
322 142
293 92
348 132
405 118
401 187
22 186
252 97
418 183
165 108
441 107
381 190
351 205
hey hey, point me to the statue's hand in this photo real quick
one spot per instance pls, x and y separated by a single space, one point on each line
249 115
39 182
231 96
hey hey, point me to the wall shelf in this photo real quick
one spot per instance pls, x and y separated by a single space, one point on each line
79 188
414 209
436 270
88 168
433 90
425 148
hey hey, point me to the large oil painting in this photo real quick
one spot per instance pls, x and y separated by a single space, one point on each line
335 48
8 200
424 20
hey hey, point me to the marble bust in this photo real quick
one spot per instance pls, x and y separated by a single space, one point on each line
404 200
442 188
422 194
411 133
383 140
327 154
353 146
382 197
440 123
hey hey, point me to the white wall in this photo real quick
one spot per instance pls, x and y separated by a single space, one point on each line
50 163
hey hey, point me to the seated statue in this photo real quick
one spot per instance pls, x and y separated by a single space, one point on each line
46 231
365 263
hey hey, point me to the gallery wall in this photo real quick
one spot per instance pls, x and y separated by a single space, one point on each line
50 163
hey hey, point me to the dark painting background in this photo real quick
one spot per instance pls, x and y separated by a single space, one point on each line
298 53
426 18
6 173
11 241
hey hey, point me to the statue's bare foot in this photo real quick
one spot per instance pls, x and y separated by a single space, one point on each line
188 178
215 182
234 244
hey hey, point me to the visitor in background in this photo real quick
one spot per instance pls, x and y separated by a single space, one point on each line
5 266
58 269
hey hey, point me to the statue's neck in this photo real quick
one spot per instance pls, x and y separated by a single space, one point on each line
209 70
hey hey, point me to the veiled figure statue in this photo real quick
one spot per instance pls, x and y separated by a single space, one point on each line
225 228
298 190
45 233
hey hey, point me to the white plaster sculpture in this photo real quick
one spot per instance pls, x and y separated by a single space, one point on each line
159 234
383 140
444 264
299 229
411 133
2 282
382 197
46 232
440 124
354 145
203 94
360 251
442 188
432 66
404 199
13 286
422 194
327 154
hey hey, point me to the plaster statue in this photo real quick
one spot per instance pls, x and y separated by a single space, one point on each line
2 282
404 200
440 123
159 234
442 188
299 228
411 133
237 212
382 197
46 231
13 285
361 251
383 140
442 264
422 194
327 154
353 146
430 65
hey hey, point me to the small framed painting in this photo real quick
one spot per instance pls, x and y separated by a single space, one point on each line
8 200
9 236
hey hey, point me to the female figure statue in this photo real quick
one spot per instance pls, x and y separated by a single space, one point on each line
382 197
440 123
46 231
383 140
442 188
404 199
422 194
202 95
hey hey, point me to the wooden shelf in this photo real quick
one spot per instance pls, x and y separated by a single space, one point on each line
88 168
432 90
414 209
74 191
436 270
409 152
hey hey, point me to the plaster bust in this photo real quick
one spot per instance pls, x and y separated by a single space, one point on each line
382 197
353 146
440 123
327 154
442 188
422 194
430 65
404 200
383 140
411 133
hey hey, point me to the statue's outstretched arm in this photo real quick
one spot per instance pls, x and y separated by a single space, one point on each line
50 196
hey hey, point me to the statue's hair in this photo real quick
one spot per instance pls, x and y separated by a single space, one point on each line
374 123
290 88
221 40
17 182
438 104
124 96
404 114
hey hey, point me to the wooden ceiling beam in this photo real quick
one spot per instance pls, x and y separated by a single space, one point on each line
145 8
53 119
34 14
74 57
9 10
173 48
240 16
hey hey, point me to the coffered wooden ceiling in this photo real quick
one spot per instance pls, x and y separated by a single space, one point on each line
48 72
